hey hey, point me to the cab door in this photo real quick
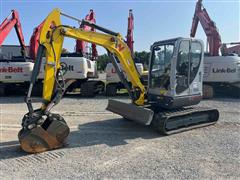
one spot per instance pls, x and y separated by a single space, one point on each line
183 69
196 74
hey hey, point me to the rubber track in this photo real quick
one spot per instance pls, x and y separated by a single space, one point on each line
88 89
160 119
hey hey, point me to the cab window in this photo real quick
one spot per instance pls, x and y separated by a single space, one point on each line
196 55
182 74
161 66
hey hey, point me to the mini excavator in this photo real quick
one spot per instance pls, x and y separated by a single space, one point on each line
174 84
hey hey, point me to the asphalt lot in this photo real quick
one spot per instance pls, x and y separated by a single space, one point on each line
103 145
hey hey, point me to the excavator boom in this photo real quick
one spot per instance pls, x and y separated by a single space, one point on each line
113 42
130 31
37 122
33 47
209 27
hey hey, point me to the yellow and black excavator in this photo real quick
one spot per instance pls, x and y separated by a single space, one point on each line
174 84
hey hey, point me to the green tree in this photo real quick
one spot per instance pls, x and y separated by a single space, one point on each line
142 57
102 62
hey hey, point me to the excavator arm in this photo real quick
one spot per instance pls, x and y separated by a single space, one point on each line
52 37
51 41
213 37
7 26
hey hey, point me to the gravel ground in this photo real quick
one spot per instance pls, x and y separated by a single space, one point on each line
103 145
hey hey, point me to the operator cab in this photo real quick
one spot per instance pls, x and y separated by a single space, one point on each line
175 72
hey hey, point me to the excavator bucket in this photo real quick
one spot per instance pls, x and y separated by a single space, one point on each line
49 135
130 111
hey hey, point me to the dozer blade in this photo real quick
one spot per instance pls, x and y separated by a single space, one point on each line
130 111
49 135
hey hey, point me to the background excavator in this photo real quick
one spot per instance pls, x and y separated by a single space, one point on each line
13 21
15 72
113 83
82 46
234 49
221 72
175 83
130 29
33 46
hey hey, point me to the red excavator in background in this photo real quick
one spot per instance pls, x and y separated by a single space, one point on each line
33 46
209 27
81 46
221 72
112 79
234 49
12 20
130 31
15 72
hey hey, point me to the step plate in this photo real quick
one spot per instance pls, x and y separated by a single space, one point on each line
130 111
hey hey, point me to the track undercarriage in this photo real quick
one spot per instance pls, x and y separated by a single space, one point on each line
179 120
166 121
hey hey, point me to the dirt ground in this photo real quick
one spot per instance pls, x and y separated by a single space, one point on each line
103 145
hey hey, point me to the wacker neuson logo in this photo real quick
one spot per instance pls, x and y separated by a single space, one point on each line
11 70
224 70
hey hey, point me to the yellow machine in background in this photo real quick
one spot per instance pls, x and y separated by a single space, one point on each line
42 130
